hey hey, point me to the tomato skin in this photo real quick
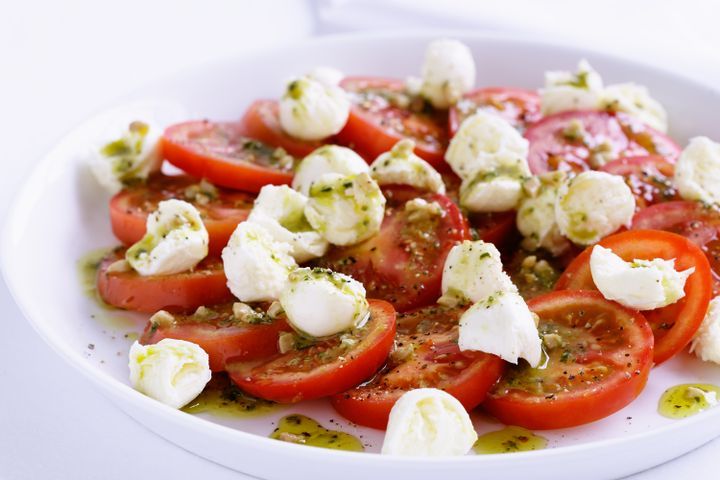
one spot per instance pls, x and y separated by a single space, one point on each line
262 122
371 131
497 228
182 292
130 208
583 402
290 386
649 178
675 325
518 106
214 150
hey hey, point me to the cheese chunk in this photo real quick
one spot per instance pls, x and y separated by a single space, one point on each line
582 90
327 159
400 166
536 213
503 325
256 265
697 171
175 240
635 100
448 72
706 344
312 110
319 302
171 371
428 422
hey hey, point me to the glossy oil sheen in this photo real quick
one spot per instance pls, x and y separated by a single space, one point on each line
509 440
221 398
306 431
681 402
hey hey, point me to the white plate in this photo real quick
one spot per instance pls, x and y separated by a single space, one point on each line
61 214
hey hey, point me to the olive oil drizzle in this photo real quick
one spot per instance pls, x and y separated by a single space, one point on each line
685 400
87 268
509 440
306 431
223 399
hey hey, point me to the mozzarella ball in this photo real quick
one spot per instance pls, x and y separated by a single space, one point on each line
640 284
706 344
313 110
327 75
473 271
428 422
327 159
582 90
256 265
635 100
175 240
503 325
697 171
498 194
592 206
319 302
400 166
281 211
171 371
536 213
448 72
345 209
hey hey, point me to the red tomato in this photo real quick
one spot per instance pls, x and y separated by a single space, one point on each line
495 228
403 263
221 210
426 355
182 292
675 325
225 155
262 121
599 362
649 177
571 140
382 114
220 334
701 225
323 368
519 107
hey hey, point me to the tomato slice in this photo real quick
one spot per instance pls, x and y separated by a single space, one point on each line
700 224
675 325
324 368
599 362
221 210
262 122
182 292
382 114
225 155
518 106
556 142
495 227
649 177
403 263
426 355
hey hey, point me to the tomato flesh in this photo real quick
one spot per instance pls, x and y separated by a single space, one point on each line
649 178
519 107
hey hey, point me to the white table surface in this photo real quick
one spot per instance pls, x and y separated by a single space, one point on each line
57 64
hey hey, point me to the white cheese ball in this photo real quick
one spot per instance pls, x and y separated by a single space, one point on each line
281 211
345 209
503 325
171 371
428 422
175 240
400 166
312 109
635 100
536 213
592 206
582 90
640 284
448 72
256 265
327 159
473 271
319 302
706 344
497 194
697 171
127 153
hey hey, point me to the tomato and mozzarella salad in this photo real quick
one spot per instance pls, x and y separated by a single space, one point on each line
415 249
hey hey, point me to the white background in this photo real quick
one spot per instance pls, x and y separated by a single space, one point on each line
60 61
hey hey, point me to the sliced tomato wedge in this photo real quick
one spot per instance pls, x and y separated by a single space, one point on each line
496 227
220 334
675 325
572 140
221 209
518 106
403 263
699 224
426 355
599 355
262 122
382 114
323 368
224 154
182 292
649 177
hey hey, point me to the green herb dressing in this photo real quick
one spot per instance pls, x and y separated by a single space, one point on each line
306 431
685 400
222 399
509 440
